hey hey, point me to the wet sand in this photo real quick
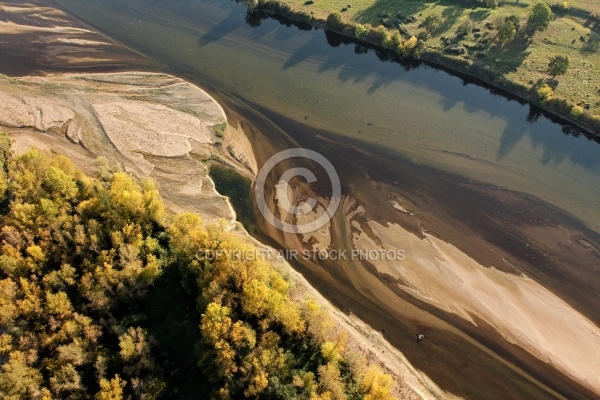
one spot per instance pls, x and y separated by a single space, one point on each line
55 42
513 233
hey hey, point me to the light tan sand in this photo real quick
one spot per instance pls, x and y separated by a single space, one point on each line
11 8
84 60
81 42
137 125
287 197
521 310
321 238
11 28
239 150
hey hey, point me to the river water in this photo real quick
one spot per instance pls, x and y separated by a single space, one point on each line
423 114
304 79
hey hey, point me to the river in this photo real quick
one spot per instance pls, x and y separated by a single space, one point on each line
423 114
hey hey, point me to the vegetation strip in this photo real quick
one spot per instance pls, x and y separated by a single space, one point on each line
518 46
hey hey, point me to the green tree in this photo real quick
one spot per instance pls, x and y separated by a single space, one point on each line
360 31
539 19
508 29
432 23
334 21
506 32
558 65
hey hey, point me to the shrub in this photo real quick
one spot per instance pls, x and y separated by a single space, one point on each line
432 23
576 111
457 49
220 129
360 31
489 3
545 93
408 48
334 21
378 34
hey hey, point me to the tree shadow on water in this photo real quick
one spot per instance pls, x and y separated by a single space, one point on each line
556 149
225 26
380 77
255 18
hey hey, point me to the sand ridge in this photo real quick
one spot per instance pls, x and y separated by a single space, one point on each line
40 39
11 28
521 310
135 118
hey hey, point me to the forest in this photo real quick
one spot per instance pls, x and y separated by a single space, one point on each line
102 296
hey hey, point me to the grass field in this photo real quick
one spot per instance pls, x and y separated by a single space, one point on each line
574 32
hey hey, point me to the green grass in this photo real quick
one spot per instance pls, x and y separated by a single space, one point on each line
522 61
220 129
592 6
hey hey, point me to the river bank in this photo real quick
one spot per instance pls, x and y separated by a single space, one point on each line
152 125
478 71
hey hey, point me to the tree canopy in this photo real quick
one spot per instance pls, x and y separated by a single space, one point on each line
539 19
81 259
508 29
558 65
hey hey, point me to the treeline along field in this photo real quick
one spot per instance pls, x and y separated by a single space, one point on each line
509 44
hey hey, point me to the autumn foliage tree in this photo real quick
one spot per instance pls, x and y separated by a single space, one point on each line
78 257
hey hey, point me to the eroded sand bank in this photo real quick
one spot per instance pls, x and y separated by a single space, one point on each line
134 118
